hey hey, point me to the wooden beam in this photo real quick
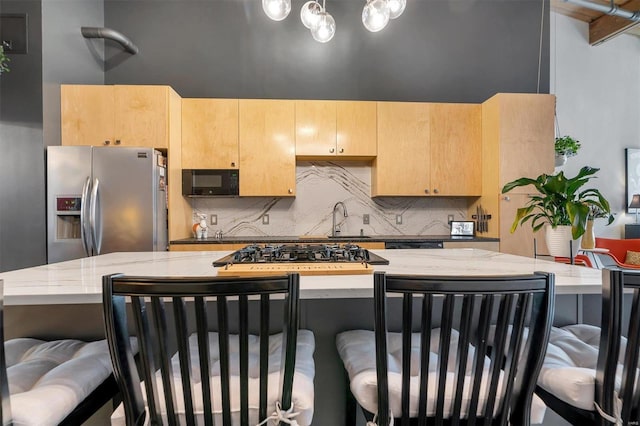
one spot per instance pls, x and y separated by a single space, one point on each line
606 27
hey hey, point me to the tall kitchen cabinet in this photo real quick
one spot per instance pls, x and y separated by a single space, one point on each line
345 129
428 149
210 134
267 147
116 115
122 115
518 141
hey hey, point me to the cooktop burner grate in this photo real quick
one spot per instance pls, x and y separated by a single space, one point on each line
267 253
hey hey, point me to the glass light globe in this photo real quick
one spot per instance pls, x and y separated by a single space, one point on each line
310 13
375 15
325 29
276 9
396 7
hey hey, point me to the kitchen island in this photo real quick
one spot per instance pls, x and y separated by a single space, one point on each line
63 299
79 281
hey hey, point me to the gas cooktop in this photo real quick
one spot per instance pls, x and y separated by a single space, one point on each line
309 253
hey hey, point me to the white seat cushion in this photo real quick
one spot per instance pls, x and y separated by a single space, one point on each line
47 380
303 391
569 369
357 350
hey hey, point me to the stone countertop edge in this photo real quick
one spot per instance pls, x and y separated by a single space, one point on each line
79 281
305 239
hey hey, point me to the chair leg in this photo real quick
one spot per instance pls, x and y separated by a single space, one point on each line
350 409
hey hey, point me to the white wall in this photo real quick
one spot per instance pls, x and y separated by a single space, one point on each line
598 103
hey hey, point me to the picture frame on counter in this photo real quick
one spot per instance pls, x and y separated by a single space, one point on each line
463 228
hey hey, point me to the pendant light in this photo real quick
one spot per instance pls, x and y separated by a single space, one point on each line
325 29
375 15
276 9
310 13
314 16
396 7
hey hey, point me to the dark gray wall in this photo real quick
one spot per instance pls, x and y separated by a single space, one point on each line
22 209
29 97
438 50
67 57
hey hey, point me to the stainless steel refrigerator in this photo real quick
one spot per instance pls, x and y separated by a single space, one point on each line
105 199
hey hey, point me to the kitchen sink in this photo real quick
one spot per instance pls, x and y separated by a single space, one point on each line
348 237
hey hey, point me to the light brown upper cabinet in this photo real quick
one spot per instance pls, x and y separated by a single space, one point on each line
267 147
402 166
356 128
335 128
456 149
210 134
116 115
428 149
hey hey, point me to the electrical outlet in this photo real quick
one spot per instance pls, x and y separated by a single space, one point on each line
265 219
214 219
398 219
449 219
365 219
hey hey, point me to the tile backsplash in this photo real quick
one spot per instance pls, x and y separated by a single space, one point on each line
319 185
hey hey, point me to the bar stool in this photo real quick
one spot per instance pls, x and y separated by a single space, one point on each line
53 382
439 367
202 366
589 374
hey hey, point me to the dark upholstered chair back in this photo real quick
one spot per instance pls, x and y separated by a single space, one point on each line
164 329
492 337
614 283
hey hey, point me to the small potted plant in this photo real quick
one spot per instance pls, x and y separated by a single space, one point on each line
3 60
563 205
565 146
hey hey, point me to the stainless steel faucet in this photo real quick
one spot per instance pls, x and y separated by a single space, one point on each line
335 209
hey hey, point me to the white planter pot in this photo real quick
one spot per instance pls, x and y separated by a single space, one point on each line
558 241
561 159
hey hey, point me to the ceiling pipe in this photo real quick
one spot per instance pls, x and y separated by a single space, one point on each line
612 9
108 33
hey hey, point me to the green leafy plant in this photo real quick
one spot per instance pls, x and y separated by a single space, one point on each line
595 212
3 61
560 201
566 145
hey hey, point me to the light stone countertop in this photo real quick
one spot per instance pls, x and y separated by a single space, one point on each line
79 281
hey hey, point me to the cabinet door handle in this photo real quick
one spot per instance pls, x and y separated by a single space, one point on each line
290 191
117 141
506 198
426 191
341 150
106 142
332 150
435 190
233 164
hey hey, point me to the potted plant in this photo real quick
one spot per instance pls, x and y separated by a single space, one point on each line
3 61
565 147
563 205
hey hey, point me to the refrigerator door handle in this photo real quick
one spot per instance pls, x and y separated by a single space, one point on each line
96 217
84 218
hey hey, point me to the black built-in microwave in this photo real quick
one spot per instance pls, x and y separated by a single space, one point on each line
210 182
